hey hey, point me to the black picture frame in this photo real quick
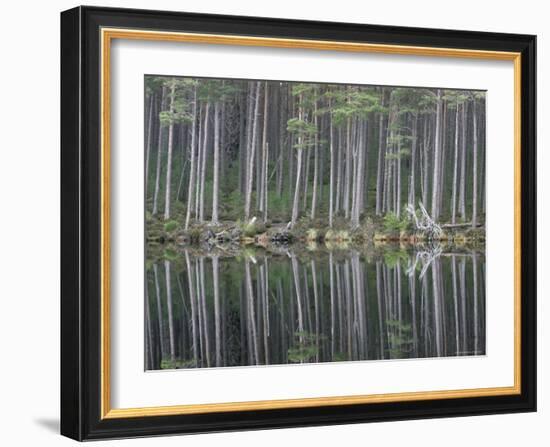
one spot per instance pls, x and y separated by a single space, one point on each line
81 223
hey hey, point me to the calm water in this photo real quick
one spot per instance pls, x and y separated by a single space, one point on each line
220 309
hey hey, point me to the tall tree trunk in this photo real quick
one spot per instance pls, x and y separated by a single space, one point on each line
425 167
483 159
199 164
222 138
339 168
381 158
442 160
474 166
251 152
149 138
184 143
322 132
386 199
245 117
265 155
216 173
297 189
283 101
159 154
169 156
298 168
203 161
306 177
437 156
462 189
455 169
421 144
355 155
315 163
414 146
362 152
266 181
290 144
347 177
398 176
192 157
332 167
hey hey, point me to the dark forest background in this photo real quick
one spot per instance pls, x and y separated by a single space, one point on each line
230 150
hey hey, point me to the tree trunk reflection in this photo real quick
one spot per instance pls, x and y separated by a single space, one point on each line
213 310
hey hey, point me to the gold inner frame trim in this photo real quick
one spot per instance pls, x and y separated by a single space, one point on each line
107 35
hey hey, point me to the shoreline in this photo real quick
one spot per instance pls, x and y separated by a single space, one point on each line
265 234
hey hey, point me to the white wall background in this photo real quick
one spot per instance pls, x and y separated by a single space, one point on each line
29 223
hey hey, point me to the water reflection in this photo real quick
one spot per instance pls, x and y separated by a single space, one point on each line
217 309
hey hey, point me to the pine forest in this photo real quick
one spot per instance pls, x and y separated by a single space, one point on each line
301 223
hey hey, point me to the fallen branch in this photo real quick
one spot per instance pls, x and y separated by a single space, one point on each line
425 223
460 225
426 257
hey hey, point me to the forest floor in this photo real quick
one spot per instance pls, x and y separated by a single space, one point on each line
231 238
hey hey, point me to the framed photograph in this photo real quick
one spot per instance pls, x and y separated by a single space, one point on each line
275 223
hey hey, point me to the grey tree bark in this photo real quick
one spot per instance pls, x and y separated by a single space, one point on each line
298 170
192 168
265 154
381 159
149 138
347 176
216 173
414 145
168 187
331 186
437 156
362 151
398 175
315 163
159 155
251 152
203 162
474 166
462 187
455 169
